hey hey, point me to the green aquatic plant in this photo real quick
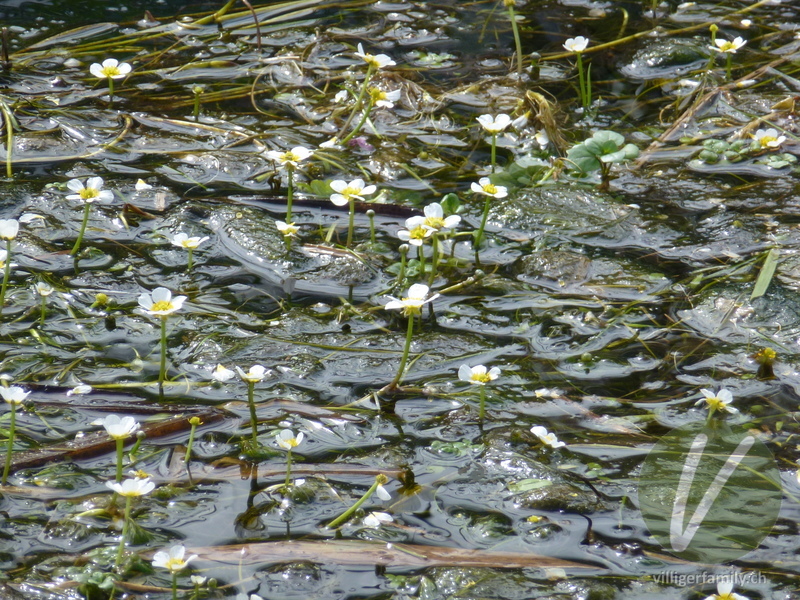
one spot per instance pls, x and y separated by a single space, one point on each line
161 304
510 4
9 228
493 126
14 396
173 560
287 440
347 194
87 194
599 153
110 70
485 187
129 489
181 240
43 290
289 160
411 307
255 375
193 424
479 375
375 62
119 429
376 488
578 45
728 48
438 225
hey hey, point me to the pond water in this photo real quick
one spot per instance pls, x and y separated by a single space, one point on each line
616 279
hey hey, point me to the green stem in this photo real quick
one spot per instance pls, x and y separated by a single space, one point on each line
126 518
582 82
728 64
191 441
349 512
44 310
482 410
351 223
359 100
86 208
371 215
409 334
174 585
162 372
10 446
6 275
421 256
196 109
120 447
9 122
252 404
401 275
494 151
363 120
111 89
517 40
434 258
479 235
191 259
289 193
288 468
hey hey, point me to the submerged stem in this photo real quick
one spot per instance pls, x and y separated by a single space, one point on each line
288 467
409 333
351 222
6 275
126 518
162 372
86 208
349 512
120 449
252 404
10 447
289 193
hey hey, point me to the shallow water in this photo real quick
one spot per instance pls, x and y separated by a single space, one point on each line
606 310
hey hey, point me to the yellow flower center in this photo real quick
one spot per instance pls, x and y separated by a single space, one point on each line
377 94
88 193
490 188
412 306
481 377
110 71
418 233
727 47
161 305
767 140
716 404
434 222
349 192
175 564
289 156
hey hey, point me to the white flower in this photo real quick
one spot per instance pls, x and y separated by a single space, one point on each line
132 487
382 493
118 429
42 288
290 157
434 219
161 302
287 440
181 240
90 192
3 258
725 592
496 124
486 187
384 99
729 47
287 229
576 44
413 303
376 519
8 229
254 375
541 138
769 138
197 579
13 394
347 191
142 185
547 438
81 390
172 560
331 143
340 96
719 401
30 218
111 68
375 61
478 375
222 374
415 235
